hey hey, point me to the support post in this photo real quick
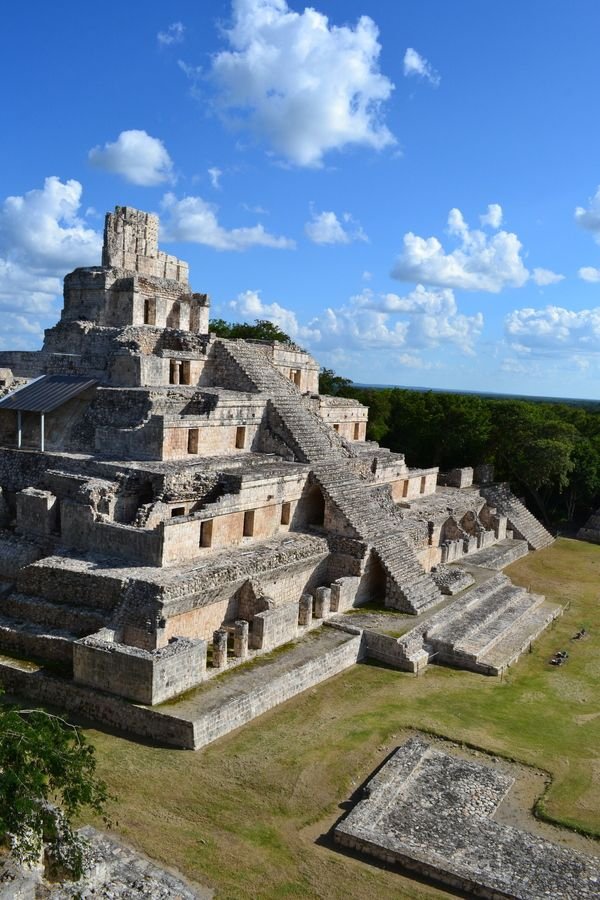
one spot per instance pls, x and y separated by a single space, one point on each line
42 430
19 429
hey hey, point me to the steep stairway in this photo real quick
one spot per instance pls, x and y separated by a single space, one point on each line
307 435
409 587
520 520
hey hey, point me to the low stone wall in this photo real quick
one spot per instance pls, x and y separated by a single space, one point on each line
144 676
386 649
246 706
91 704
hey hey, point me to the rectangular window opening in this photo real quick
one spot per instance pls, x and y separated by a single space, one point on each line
177 511
286 510
240 437
405 489
206 530
336 427
423 480
356 431
192 444
248 523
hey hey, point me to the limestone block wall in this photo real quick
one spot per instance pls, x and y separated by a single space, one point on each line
386 649
37 685
37 512
15 554
347 417
197 437
80 531
23 363
201 622
131 242
274 627
148 677
418 482
297 365
199 614
245 707
103 296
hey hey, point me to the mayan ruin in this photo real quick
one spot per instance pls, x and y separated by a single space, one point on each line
174 504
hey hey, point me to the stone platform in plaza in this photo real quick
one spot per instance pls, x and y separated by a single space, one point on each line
433 813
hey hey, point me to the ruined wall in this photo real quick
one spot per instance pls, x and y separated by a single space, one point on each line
131 242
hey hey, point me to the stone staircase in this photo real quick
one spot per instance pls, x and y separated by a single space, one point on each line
302 430
591 530
523 524
408 587
484 630
55 602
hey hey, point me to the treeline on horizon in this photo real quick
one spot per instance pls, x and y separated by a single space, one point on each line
549 451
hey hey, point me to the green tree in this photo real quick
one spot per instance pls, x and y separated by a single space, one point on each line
47 776
330 383
534 447
261 330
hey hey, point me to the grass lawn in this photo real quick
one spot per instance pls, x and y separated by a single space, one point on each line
243 814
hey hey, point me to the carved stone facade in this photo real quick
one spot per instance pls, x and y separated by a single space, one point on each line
194 501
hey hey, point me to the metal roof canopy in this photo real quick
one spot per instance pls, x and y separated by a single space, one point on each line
47 393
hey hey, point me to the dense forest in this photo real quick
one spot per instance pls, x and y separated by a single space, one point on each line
549 451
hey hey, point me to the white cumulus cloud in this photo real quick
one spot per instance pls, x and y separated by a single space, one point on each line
136 156
193 220
174 34
300 83
544 277
481 262
417 65
326 228
423 320
589 273
493 217
42 237
432 315
554 330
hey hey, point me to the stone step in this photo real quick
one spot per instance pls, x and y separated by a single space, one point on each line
79 620
517 639
436 623
71 581
486 637
476 618
32 640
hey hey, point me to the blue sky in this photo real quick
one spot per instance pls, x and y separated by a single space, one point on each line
410 189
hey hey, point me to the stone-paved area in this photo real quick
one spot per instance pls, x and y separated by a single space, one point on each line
115 872
433 813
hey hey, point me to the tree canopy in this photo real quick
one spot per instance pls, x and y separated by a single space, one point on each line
261 330
47 775
549 451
